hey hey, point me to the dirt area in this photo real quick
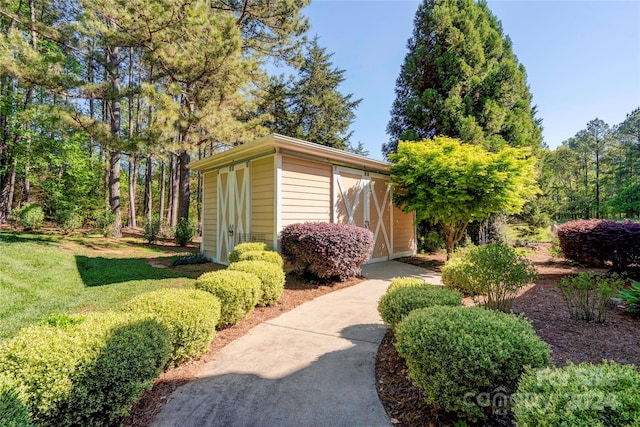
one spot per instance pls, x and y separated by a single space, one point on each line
296 292
576 340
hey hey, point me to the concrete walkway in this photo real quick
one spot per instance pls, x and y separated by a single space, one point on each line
311 366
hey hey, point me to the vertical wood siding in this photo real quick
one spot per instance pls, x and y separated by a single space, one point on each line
306 191
210 218
262 198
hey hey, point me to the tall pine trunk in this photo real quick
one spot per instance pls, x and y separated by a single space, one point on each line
132 191
163 178
148 201
113 58
184 189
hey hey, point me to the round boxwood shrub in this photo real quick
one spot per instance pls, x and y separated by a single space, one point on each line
454 276
13 411
241 248
271 276
87 373
237 291
405 282
190 315
402 300
31 216
269 256
460 356
607 394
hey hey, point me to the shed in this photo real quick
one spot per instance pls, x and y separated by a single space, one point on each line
250 192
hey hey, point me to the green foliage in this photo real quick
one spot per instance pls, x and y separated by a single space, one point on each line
590 395
189 315
105 222
152 228
497 273
631 297
268 256
271 275
461 78
454 275
87 374
31 216
398 302
61 320
185 232
13 411
588 295
241 248
189 260
69 220
238 292
405 282
456 355
453 184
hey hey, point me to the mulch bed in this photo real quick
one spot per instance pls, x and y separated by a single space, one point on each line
575 340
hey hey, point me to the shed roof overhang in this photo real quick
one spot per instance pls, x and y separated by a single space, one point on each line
286 145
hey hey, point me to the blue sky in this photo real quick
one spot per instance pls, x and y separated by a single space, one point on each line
582 58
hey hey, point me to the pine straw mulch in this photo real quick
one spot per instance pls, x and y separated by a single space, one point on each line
297 291
575 340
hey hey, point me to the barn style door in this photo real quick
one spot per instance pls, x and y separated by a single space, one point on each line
233 208
364 199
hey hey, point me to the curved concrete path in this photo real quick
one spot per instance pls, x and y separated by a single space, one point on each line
311 366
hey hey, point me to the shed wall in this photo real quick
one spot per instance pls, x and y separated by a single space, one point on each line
210 219
404 234
306 191
262 199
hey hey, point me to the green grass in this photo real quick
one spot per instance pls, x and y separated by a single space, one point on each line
524 232
42 274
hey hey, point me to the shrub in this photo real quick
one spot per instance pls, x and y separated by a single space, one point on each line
268 256
397 303
631 297
588 295
13 411
326 250
237 291
105 223
595 242
405 282
189 315
89 373
152 229
607 394
241 248
61 320
31 216
271 276
189 260
69 220
457 355
185 232
454 275
497 273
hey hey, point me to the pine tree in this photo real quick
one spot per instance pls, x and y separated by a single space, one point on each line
461 79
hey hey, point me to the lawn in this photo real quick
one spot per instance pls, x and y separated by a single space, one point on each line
42 274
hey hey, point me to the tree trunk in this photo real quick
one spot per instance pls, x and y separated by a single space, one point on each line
132 192
114 191
163 177
148 201
170 199
113 58
175 175
184 189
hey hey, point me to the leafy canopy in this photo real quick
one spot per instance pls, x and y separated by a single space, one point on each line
453 184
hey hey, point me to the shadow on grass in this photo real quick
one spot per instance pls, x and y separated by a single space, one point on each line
100 271
39 239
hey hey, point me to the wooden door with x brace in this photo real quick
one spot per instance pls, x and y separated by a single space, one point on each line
364 199
234 208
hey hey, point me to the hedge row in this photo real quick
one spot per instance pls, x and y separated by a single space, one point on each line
596 243
326 250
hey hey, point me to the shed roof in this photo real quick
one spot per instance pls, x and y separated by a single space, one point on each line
287 145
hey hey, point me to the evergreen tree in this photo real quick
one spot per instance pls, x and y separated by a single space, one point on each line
461 79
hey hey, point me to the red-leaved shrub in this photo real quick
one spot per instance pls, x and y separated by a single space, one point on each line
597 243
325 250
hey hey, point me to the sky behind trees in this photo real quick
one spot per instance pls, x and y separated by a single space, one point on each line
582 58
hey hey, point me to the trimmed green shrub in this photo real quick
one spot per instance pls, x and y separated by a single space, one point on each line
459 355
89 373
497 273
399 302
13 411
241 248
405 282
31 216
238 292
325 250
588 295
151 230
454 275
105 222
579 395
268 256
271 276
190 315
69 220
185 232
